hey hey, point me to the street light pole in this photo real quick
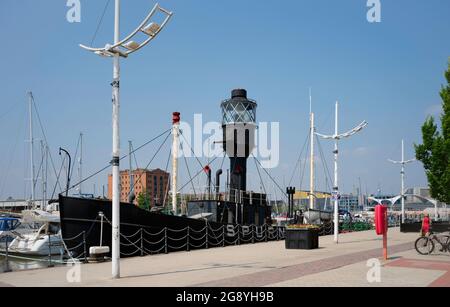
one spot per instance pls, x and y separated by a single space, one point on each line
336 137
68 169
336 186
116 150
403 163
123 48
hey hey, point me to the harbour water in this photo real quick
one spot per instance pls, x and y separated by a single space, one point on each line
16 263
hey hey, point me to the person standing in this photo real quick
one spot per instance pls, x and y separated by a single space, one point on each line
426 225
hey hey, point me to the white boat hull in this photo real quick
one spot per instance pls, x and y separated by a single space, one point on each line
40 246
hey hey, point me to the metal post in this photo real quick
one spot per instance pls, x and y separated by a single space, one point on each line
403 162
116 151
85 247
207 233
142 242
50 265
239 235
165 240
7 269
188 244
116 50
403 182
253 233
336 187
336 137
101 228
267 232
223 236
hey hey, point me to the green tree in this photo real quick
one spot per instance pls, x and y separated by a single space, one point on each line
434 153
144 200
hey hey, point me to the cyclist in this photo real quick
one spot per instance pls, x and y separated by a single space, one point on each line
426 225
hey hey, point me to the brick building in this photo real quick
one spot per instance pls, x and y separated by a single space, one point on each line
154 182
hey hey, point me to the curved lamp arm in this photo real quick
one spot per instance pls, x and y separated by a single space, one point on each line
154 30
347 134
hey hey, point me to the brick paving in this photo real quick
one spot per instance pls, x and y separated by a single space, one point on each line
267 264
274 276
443 281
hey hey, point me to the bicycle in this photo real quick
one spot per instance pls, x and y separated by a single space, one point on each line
425 245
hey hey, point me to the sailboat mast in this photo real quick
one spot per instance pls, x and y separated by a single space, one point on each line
44 174
80 164
311 159
30 95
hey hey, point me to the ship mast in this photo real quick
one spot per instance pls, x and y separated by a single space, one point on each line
175 147
311 177
80 164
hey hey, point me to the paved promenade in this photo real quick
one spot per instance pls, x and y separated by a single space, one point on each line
263 265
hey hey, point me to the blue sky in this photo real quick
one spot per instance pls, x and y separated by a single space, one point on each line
387 73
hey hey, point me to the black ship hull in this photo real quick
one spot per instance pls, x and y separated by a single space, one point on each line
144 232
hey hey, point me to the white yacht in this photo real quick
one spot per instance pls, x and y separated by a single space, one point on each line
42 238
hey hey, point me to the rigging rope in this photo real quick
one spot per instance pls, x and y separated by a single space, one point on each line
193 153
109 165
299 160
304 164
260 178
326 169
271 178
148 165
100 22
166 194
57 177
196 175
189 171
45 139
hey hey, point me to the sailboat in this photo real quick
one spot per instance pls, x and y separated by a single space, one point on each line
37 232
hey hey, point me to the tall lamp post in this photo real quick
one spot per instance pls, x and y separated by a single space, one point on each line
123 48
68 169
336 137
403 162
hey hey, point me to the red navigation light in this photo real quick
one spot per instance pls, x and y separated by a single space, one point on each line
176 118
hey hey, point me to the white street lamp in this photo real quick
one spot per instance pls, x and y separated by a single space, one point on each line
403 163
123 48
336 137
